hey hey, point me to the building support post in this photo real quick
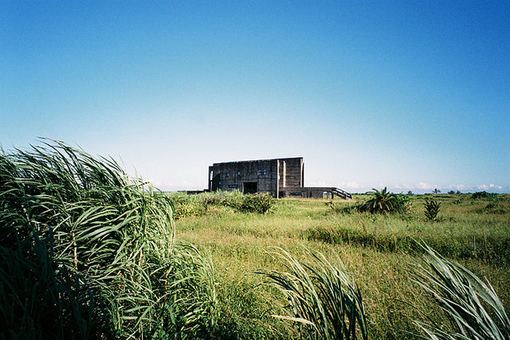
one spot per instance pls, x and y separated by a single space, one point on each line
277 178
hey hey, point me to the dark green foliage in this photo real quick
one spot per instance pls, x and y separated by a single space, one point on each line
385 202
432 208
321 298
37 303
258 203
483 194
85 252
471 305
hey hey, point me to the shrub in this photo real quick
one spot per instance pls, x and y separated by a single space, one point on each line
321 298
259 203
185 205
384 202
432 209
86 252
483 194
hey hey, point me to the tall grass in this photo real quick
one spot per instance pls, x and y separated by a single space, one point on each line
322 298
471 305
99 249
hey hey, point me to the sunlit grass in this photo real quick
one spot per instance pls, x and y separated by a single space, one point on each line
239 243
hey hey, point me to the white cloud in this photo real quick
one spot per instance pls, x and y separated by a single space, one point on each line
490 187
425 186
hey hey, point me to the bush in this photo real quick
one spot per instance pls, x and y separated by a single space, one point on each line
432 209
483 194
384 202
259 203
185 205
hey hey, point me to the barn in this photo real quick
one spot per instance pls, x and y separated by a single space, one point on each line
280 177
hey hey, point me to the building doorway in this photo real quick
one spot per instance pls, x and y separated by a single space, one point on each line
249 187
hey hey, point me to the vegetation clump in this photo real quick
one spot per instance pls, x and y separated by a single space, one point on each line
258 203
432 208
385 202
472 306
483 194
185 205
86 252
197 205
322 298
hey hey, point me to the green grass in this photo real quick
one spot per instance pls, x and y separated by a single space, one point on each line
378 251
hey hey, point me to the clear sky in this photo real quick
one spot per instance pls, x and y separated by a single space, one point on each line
409 94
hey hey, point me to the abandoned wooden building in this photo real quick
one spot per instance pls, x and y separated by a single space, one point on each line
281 177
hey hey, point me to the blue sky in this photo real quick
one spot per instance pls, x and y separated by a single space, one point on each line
409 94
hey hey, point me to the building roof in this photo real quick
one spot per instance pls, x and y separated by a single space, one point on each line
258 160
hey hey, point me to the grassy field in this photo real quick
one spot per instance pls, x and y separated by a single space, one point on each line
86 252
378 251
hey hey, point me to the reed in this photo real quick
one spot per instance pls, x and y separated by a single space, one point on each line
472 306
321 298
99 249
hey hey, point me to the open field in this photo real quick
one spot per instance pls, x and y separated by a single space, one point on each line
378 251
